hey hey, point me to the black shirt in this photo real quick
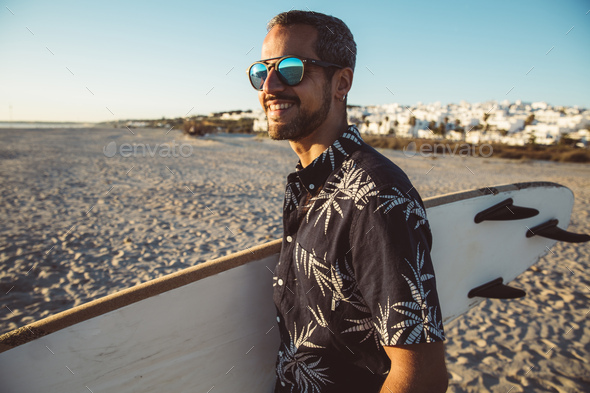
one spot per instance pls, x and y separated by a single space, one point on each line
354 272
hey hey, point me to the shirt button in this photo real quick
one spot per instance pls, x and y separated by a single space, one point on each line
311 186
280 282
278 319
289 239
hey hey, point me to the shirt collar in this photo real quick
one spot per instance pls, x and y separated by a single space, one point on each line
315 174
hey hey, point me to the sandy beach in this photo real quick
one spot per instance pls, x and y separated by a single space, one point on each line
89 212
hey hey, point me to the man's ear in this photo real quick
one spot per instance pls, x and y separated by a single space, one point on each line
343 82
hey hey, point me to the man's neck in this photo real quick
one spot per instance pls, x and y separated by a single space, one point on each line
313 145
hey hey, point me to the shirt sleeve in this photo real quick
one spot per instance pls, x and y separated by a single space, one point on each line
391 242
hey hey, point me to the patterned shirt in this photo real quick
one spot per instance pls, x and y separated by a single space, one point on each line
354 273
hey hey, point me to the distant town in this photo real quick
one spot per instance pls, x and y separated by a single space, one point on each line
509 123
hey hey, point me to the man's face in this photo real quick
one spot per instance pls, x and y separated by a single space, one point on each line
294 112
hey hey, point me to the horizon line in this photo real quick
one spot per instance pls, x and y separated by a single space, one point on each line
583 108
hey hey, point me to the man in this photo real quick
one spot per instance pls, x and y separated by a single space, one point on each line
354 287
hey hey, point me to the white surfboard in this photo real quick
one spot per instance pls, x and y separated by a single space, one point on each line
212 327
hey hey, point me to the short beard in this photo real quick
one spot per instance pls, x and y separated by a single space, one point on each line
305 123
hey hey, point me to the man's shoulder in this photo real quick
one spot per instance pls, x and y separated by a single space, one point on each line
383 172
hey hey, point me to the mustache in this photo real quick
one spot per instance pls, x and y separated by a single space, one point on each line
282 97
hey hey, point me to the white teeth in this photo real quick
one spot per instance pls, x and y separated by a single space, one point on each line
280 106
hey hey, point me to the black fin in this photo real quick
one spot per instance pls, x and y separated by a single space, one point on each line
505 211
550 230
496 290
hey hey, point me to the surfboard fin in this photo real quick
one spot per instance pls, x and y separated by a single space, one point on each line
505 211
550 230
495 289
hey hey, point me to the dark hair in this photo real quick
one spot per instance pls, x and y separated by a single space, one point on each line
334 44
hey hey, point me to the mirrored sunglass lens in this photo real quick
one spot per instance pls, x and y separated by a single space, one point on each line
292 70
258 74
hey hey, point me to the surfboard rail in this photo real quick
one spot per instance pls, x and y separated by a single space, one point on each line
492 190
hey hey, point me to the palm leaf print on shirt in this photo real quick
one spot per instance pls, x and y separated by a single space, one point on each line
421 317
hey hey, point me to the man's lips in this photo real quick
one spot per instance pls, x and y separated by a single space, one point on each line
276 108
279 106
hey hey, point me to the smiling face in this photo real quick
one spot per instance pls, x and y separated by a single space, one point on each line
294 112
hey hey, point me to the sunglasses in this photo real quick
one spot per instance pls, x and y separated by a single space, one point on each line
289 69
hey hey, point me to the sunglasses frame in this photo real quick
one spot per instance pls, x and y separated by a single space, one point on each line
279 59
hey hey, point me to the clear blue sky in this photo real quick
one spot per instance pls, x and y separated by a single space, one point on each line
71 60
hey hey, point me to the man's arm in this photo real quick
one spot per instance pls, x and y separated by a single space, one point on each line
416 368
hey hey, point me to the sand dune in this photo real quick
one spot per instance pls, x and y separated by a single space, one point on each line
78 225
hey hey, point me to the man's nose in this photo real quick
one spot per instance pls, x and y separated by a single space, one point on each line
273 82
